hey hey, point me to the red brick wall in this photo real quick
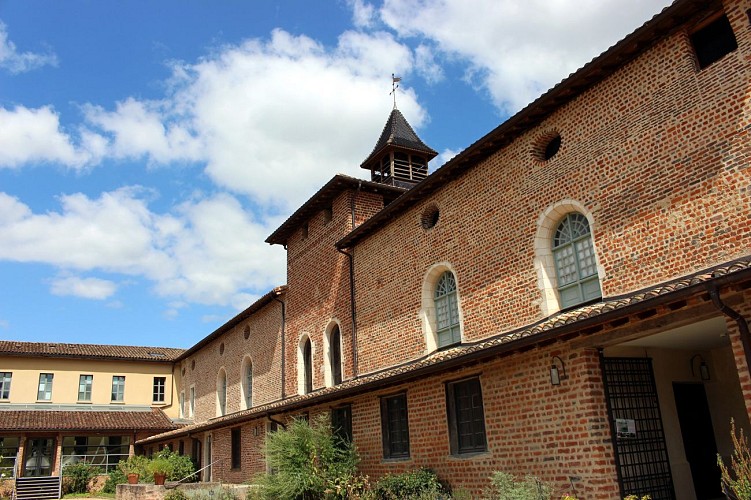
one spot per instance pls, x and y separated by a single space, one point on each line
318 280
658 154
263 346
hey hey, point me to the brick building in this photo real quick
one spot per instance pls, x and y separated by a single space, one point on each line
568 297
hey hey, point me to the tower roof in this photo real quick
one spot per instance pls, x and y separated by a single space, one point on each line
398 133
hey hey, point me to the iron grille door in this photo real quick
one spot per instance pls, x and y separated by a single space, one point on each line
640 451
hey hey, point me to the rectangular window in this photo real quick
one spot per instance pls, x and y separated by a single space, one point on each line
192 404
159 384
8 453
466 417
181 405
84 387
235 448
713 41
341 423
5 384
45 387
394 426
118 388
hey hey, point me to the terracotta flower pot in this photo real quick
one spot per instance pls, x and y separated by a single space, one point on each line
132 478
159 478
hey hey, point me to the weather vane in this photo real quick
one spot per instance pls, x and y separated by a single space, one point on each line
394 85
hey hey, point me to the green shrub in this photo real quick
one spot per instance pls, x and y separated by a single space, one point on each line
417 484
181 465
504 486
78 476
308 462
737 479
175 495
115 477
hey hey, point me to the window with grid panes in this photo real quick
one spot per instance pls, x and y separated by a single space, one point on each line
5 378
575 264
159 384
45 387
446 310
341 423
118 388
85 383
466 417
394 426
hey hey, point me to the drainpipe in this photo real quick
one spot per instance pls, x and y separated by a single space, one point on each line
352 306
351 260
284 344
714 293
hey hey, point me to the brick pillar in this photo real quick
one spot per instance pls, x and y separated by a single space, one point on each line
19 456
57 463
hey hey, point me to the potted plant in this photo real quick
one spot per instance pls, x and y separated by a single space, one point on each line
133 467
160 468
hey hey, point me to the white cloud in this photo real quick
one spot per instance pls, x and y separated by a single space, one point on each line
87 288
279 117
185 254
363 13
20 62
443 157
138 129
34 135
518 50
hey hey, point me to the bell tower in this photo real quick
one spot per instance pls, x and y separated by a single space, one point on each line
399 158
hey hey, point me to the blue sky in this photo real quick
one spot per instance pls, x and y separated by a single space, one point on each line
147 149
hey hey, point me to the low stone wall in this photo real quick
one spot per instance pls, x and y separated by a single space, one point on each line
153 492
140 492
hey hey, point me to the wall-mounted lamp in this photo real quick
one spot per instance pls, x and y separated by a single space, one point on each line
703 368
557 375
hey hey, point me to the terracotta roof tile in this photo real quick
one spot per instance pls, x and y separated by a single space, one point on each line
66 420
89 351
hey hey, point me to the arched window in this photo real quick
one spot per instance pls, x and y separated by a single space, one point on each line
305 366
335 355
575 263
446 310
221 393
247 383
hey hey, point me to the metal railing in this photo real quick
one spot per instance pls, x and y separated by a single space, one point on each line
108 461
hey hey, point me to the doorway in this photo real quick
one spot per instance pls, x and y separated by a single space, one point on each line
698 438
39 457
207 460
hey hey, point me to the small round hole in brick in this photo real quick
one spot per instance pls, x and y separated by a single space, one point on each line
221 348
429 217
183 371
193 365
547 146
246 332
551 149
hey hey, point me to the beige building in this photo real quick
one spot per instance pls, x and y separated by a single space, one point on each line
63 403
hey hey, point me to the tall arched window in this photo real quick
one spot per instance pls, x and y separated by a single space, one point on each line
221 393
575 263
446 310
335 355
247 383
307 361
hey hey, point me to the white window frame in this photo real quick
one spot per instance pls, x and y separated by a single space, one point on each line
117 394
44 392
427 312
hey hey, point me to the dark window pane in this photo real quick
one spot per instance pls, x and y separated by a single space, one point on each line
395 426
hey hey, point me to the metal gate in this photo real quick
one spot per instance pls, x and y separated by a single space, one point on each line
641 454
